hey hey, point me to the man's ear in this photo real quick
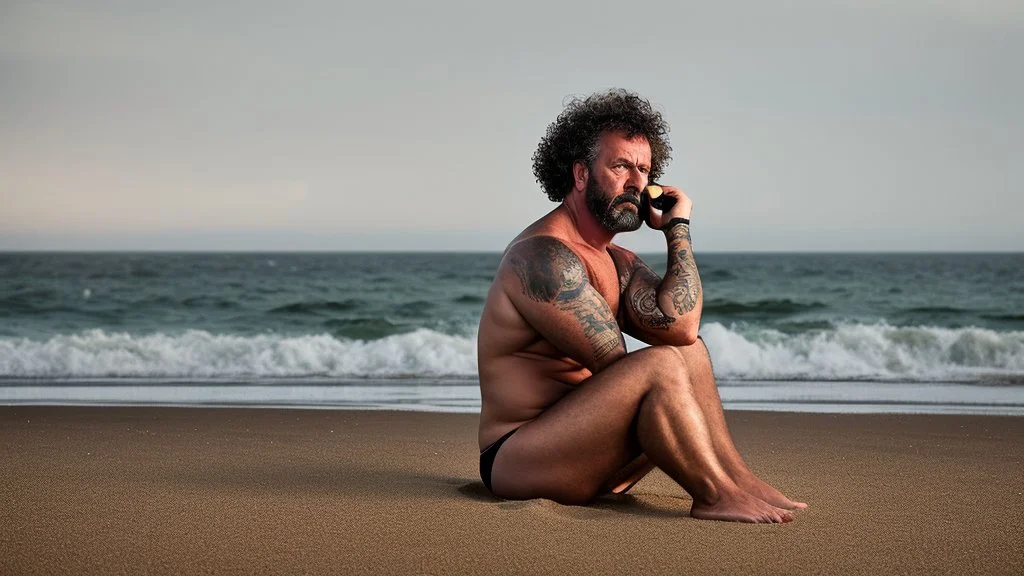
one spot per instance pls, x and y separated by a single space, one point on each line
580 173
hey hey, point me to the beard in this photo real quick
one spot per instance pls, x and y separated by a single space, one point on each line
609 212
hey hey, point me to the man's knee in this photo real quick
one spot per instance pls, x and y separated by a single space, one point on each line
669 370
661 357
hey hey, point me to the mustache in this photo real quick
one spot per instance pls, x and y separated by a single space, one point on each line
626 198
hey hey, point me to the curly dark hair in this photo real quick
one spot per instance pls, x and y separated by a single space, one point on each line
574 135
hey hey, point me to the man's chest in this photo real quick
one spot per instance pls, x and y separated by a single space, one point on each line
604 278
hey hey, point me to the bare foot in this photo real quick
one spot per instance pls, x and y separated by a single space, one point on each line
766 492
739 506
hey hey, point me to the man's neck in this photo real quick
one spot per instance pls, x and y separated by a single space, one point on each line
585 224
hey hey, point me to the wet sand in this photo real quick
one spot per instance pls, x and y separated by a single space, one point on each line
269 491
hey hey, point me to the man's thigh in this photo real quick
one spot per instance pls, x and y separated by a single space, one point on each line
575 447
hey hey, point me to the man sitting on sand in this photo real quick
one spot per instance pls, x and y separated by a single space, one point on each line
567 414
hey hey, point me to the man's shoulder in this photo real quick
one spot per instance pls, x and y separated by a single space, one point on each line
545 235
544 265
540 245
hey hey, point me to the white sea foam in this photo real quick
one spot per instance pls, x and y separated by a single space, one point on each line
865 351
854 351
199 354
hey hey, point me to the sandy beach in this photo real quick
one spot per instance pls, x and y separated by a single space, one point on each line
268 491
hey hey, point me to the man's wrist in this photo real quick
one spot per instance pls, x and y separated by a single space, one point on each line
675 222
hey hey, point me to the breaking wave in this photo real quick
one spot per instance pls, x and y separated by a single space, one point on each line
200 354
865 352
845 352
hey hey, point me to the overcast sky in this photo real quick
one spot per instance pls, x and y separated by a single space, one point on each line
807 125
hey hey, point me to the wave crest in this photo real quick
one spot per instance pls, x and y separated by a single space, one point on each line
865 352
845 352
199 354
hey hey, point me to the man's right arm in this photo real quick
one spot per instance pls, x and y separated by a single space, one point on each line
549 286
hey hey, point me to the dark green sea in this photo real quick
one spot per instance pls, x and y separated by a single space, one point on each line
848 332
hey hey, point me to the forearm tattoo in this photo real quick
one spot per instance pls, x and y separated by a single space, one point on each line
682 268
550 272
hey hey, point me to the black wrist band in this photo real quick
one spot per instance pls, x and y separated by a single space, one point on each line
675 221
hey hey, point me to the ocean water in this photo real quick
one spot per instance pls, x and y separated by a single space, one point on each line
813 332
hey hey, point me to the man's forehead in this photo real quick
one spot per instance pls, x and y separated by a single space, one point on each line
618 144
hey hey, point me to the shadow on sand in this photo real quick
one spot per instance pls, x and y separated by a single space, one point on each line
355 479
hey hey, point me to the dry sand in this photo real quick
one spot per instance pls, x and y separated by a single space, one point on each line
262 491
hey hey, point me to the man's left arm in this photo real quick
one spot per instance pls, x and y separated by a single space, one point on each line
661 310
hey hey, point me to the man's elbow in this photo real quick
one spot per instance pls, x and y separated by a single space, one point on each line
684 335
688 336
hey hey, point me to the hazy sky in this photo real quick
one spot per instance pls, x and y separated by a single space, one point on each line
804 125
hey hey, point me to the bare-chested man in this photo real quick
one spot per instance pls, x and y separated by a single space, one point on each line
567 414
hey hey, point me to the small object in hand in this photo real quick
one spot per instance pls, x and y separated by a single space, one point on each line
658 199
654 196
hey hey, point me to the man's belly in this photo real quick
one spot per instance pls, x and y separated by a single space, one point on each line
518 388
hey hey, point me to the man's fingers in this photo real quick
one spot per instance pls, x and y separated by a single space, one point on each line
681 208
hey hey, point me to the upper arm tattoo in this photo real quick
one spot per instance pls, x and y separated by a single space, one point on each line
643 297
550 272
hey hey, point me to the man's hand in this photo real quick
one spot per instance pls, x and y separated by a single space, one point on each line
681 209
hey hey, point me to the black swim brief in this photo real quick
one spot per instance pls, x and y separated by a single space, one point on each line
487 457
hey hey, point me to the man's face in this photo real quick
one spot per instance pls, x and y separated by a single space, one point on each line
616 177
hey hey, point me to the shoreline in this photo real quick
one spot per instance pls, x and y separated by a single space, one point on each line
776 408
447 395
169 490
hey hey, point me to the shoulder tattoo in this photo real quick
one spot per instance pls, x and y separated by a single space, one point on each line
549 271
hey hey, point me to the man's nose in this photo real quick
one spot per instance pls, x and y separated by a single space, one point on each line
637 179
